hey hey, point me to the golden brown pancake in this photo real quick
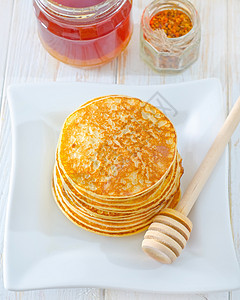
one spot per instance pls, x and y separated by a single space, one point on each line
117 165
124 145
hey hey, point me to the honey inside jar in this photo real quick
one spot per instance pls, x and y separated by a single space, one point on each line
84 32
174 22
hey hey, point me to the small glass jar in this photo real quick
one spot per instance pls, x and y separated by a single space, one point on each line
84 33
181 51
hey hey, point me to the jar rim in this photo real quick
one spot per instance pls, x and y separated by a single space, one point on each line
79 13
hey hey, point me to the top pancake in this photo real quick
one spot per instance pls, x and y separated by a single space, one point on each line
116 146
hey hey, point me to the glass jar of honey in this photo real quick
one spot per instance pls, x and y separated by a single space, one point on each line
170 35
84 33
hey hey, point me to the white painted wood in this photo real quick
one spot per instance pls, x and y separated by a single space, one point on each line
60 294
235 295
211 63
124 295
27 61
234 92
6 7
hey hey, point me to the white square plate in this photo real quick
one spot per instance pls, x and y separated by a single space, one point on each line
43 249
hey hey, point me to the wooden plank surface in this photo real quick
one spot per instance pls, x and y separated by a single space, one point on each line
233 62
5 28
122 295
27 61
234 93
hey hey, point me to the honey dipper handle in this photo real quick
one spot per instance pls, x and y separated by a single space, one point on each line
210 160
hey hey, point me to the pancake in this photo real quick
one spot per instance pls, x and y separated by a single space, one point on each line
114 209
116 166
124 145
111 212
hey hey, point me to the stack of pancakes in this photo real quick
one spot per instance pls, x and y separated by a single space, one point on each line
117 165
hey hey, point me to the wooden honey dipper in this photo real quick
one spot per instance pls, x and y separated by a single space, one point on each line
170 230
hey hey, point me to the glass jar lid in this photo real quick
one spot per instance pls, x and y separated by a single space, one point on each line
80 9
78 3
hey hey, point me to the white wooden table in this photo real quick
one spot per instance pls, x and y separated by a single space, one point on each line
22 59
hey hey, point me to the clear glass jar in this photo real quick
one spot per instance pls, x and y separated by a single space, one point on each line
180 52
83 34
